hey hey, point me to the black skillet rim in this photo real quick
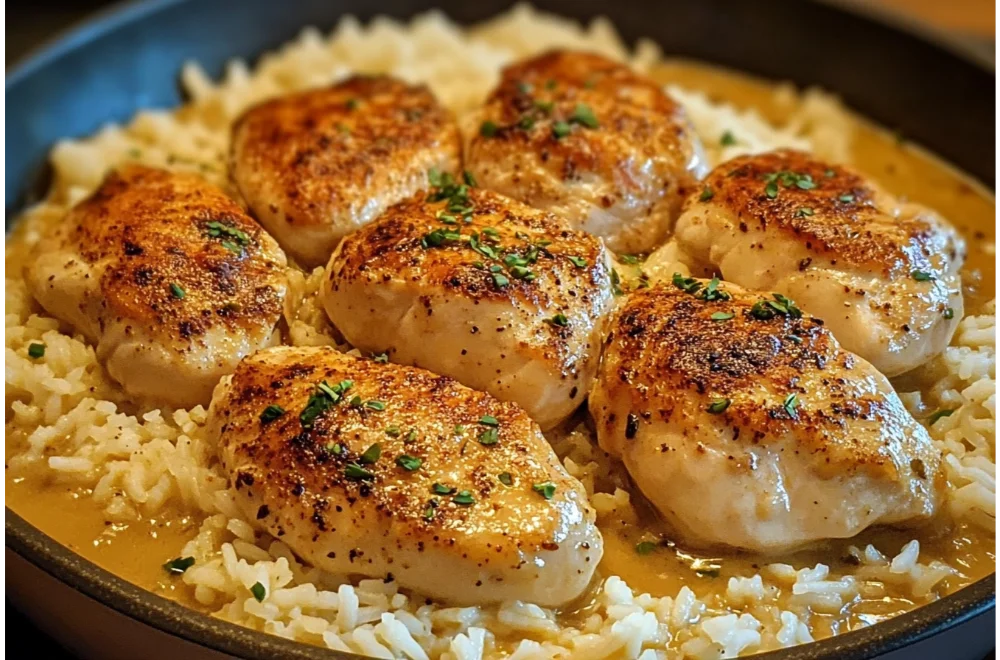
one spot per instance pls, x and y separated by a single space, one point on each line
172 618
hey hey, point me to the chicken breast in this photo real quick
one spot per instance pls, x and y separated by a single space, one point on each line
882 273
167 276
479 287
747 425
586 138
394 472
317 165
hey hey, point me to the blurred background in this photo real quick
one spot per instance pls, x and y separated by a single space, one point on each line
974 21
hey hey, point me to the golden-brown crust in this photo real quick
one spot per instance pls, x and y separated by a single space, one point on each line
301 471
329 150
180 254
834 211
393 247
668 354
637 123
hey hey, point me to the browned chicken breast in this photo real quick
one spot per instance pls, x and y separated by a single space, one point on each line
382 470
479 287
167 276
317 165
882 273
747 425
586 138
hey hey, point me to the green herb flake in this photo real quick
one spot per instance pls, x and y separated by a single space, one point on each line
686 284
355 472
561 129
176 291
500 280
489 437
469 179
488 129
722 316
579 262
719 406
352 104
408 463
271 413
949 313
935 416
429 511
375 405
464 498
645 547
727 139
921 276
527 123
217 229
629 259
178 565
583 114
546 489
356 401
559 320
442 489
258 591
489 420
846 198
616 283
771 189
804 212
36 350
334 448
706 194
550 84
791 404
506 479
371 454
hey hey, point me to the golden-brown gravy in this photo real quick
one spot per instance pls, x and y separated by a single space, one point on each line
137 551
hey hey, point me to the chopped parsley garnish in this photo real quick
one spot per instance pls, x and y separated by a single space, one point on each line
795 339
761 311
787 179
629 259
804 212
558 320
179 565
356 401
375 405
177 291
706 194
713 292
36 350
355 472
429 511
352 104
921 276
545 106
546 489
727 139
468 178
464 498
949 313
506 479
392 431
343 129
771 189
371 454
500 280
527 123
459 429
410 436
722 316
686 284
271 413
258 591
579 262
217 229
561 129
489 437
829 174
524 88
719 406
791 404
582 114
935 416
441 489
408 463
550 84
645 547
334 448
616 283
438 237
489 420
768 309
847 198
488 129
321 399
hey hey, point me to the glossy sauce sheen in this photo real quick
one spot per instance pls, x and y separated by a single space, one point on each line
137 551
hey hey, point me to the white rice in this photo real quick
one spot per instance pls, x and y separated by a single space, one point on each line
66 416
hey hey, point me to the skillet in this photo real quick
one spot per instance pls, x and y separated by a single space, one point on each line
931 89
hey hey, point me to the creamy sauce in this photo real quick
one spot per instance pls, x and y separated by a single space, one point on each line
138 550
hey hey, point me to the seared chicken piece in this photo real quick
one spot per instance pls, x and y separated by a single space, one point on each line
883 274
317 165
747 425
479 287
586 138
378 469
168 276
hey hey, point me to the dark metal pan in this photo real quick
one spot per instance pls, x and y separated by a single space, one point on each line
935 91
